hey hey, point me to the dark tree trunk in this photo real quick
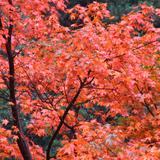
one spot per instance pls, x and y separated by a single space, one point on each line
21 141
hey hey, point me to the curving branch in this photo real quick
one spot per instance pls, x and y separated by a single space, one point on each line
83 83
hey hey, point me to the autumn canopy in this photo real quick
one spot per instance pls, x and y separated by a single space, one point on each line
90 91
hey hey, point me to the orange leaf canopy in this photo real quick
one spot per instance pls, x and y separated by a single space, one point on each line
119 63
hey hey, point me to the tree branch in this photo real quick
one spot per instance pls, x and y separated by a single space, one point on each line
70 105
22 143
145 103
146 44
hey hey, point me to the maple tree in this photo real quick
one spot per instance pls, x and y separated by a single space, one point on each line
57 76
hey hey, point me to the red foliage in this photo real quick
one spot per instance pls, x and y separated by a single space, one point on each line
115 66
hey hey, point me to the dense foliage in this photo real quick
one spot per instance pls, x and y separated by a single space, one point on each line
90 90
118 8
